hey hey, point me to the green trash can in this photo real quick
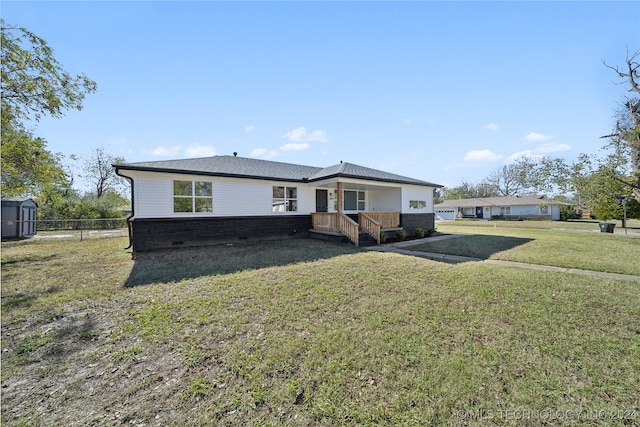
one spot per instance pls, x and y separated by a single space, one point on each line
607 227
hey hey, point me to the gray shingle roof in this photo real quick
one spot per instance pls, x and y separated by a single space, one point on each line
498 201
242 167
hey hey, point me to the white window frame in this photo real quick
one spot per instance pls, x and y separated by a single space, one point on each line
361 203
193 196
417 204
287 202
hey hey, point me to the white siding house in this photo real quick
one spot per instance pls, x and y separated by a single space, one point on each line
511 207
221 198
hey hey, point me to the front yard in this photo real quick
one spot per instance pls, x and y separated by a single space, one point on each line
308 333
560 244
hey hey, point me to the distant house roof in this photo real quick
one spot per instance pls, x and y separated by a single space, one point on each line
242 167
499 201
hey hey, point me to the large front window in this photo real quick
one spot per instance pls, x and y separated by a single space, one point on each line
192 196
285 199
354 200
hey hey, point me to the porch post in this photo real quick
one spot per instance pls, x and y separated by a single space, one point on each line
339 197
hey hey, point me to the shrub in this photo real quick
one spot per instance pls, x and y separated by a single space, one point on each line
568 212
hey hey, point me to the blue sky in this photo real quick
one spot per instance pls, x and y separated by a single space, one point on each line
440 91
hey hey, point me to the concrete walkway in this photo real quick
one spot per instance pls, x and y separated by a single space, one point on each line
399 248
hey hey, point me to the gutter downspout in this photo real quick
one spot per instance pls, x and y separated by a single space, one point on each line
130 217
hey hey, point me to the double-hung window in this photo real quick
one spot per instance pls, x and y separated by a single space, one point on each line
285 199
192 196
417 204
354 200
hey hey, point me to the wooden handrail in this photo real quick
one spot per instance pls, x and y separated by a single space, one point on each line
349 228
337 223
370 222
370 225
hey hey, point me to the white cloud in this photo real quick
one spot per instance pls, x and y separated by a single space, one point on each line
492 126
538 152
552 148
536 137
163 151
294 146
481 156
249 128
263 153
521 155
407 121
301 135
199 150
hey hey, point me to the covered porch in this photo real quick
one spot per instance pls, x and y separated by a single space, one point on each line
356 209
360 209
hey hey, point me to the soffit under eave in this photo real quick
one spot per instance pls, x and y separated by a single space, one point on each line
354 184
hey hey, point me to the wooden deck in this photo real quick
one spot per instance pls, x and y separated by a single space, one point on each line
370 222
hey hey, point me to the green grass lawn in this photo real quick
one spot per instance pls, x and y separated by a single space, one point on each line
566 245
308 333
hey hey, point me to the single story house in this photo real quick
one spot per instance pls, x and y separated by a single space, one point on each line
226 199
509 207
19 216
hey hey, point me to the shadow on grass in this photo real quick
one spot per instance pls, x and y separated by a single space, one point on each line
187 263
22 300
475 246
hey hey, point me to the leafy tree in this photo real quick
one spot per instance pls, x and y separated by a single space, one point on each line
599 183
469 190
33 84
100 172
57 204
627 129
438 195
27 166
514 178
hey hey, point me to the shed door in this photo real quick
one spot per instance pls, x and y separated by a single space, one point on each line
10 221
28 222
322 201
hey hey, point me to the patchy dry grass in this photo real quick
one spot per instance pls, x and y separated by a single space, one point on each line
521 242
308 333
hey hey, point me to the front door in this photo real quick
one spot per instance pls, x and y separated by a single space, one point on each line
479 212
322 201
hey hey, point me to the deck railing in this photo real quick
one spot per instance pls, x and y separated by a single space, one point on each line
386 219
337 223
370 222
370 225
325 221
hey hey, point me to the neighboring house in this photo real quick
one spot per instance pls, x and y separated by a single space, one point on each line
226 199
18 218
510 207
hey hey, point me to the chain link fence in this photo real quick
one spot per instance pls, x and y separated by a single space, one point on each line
75 229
